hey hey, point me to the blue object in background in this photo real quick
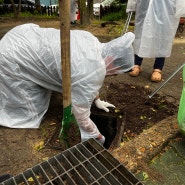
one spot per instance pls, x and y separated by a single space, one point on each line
48 2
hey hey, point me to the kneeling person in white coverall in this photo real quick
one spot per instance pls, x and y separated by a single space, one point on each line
30 69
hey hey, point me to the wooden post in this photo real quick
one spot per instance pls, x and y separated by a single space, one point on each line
64 9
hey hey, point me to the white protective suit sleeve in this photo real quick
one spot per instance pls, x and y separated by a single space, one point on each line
131 6
93 74
88 73
87 127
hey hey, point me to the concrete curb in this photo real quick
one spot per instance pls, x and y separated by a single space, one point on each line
147 145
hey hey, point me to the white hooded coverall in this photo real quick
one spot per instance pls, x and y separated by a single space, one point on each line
30 69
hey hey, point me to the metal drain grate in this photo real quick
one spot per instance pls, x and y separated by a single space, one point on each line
87 163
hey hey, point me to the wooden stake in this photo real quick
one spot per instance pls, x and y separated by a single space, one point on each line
64 9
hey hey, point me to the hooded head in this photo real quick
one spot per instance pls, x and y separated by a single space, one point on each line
118 54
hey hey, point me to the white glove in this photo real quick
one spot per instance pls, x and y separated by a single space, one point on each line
103 105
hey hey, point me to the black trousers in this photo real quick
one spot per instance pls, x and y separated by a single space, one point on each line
158 64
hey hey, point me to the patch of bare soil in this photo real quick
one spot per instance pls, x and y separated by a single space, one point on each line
140 112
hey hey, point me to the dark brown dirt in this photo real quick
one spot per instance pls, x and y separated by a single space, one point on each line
141 112
131 103
24 148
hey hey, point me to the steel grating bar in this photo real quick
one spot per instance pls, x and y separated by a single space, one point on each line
78 154
71 158
110 158
56 165
20 179
84 173
64 162
98 166
87 163
84 150
113 180
127 174
104 181
9 182
92 170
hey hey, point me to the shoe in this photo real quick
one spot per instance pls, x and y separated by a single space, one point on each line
156 75
136 71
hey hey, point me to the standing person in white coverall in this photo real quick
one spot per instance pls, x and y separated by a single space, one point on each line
74 8
156 23
30 69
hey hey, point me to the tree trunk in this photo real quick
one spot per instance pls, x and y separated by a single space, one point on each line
84 17
14 9
38 7
19 9
90 9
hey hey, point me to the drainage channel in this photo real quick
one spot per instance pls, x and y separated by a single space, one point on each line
87 163
110 124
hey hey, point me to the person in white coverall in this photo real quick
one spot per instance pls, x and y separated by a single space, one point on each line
156 23
30 69
74 8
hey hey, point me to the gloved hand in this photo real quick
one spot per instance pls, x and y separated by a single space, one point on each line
101 139
103 105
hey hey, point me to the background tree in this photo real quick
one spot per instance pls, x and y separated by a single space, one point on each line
86 11
38 6
83 12
16 9
90 9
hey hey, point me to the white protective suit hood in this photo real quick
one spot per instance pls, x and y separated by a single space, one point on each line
30 69
118 54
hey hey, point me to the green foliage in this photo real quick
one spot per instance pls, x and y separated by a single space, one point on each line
116 16
8 15
1 1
